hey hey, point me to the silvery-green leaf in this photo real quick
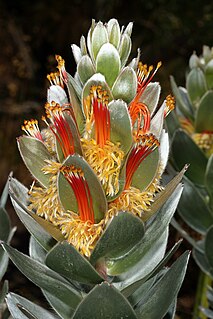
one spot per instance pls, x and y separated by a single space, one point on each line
204 116
96 79
108 63
114 33
57 94
194 61
209 179
207 53
134 63
125 86
72 83
196 85
128 29
125 48
156 124
99 38
163 151
67 196
83 45
151 95
76 51
4 195
209 74
34 154
85 68
36 251
120 125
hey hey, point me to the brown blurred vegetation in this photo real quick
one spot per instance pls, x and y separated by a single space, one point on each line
32 32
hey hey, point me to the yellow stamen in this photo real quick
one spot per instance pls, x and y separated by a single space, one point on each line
106 162
31 129
170 104
55 79
204 141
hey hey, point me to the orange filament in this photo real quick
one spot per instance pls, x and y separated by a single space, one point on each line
170 104
60 127
31 129
145 144
77 181
99 101
61 68
139 111
55 79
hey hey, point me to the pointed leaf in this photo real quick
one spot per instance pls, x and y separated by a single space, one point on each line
157 121
99 38
36 251
108 63
44 277
4 225
104 301
34 154
209 179
209 74
151 95
3 292
204 117
65 260
61 308
152 234
126 230
185 151
114 33
120 125
208 246
125 48
85 68
4 195
66 193
193 209
160 297
76 51
125 86
172 123
57 94
196 85
202 261
21 308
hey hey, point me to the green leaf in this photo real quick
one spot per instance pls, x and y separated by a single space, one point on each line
196 85
146 171
66 193
156 125
76 51
108 63
209 74
151 95
202 261
65 260
85 68
36 251
193 209
207 312
126 230
62 309
104 301
57 94
21 308
3 292
114 33
42 230
99 38
120 125
4 195
4 225
125 86
159 298
209 179
184 150
172 123
204 117
34 154
181 102
208 247
152 235
125 48
44 277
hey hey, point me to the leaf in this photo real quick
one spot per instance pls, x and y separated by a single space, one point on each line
172 123
44 277
196 85
34 154
202 261
66 193
209 74
184 150
150 96
208 246
99 38
4 224
65 260
85 68
61 308
113 29
36 251
156 124
120 125
108 63
42 230
193 209
125 86
209 179
126 230
125 48
4 195
3 292
160 297
21 308
204 116
104 301
57 94
152 234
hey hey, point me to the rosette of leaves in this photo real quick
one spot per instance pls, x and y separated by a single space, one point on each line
192 129
97 211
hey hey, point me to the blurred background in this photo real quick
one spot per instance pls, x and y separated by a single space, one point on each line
32 32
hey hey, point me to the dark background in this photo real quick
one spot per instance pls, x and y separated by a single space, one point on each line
32 32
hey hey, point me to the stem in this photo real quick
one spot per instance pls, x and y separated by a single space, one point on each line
201 295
